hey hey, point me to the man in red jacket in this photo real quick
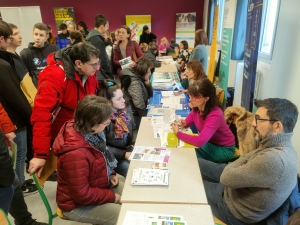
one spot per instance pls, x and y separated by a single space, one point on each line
69 76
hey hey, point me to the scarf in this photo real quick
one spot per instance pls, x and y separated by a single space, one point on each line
99 141
121 119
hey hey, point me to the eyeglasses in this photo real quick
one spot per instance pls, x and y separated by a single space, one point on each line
258 118
195 98
11 38
95 65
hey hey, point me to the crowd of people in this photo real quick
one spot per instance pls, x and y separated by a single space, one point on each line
70 94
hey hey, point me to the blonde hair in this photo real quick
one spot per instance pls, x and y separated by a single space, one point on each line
144 47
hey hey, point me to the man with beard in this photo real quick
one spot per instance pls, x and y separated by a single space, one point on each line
251 188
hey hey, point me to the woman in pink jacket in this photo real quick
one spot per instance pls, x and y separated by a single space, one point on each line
215 141
125 48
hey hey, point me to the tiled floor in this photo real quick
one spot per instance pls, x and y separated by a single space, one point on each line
37 209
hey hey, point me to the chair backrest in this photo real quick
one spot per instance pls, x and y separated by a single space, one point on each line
220 94
50 167
3 218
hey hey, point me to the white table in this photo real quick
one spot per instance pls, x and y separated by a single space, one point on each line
185 182
167 68
145 135
192 214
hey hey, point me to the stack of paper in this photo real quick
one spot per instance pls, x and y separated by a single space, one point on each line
142 218
143 176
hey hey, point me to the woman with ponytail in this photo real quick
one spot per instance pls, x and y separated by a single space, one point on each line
119 134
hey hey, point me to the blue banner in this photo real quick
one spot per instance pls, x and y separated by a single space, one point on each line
251 51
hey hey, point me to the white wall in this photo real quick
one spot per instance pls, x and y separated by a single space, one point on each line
281 77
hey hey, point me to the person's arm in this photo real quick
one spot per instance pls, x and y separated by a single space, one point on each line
244 173
117 56
153 36
136 93
197 55
212 123
76 174
142 38
5 123
155 62
138 50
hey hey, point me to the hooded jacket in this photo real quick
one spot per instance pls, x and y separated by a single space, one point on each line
82 176
62 40
60 88
147 38
11 96
35 59
95 38
136 92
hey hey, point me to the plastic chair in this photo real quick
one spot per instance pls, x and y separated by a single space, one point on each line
3 218
220 94
218 222
49 168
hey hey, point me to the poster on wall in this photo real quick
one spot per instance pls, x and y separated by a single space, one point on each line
251 51
136 23
229 17
185 28
66 16
213 49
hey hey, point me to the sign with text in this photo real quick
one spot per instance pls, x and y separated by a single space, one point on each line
251 51
66 16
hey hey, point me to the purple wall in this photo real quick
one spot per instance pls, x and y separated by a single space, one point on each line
162 12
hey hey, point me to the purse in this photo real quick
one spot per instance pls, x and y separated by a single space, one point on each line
134 56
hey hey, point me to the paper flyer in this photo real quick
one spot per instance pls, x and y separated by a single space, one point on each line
151 154
144 176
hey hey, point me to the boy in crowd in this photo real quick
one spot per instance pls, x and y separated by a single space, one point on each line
63 39
95 37
18 109
36 54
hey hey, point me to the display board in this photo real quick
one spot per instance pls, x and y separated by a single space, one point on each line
24 18
66 16
136 23
185 28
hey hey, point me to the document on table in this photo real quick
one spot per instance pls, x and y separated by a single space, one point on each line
152 154
143 218
144 176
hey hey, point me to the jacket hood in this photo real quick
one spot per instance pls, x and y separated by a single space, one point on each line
93 33
30 45
128 72
68 139
62 55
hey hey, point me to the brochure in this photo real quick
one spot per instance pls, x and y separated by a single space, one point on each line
125 62
142 218
151 154
143 176
160 166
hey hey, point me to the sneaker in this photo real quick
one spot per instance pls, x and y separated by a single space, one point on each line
29 181
29 189
34 222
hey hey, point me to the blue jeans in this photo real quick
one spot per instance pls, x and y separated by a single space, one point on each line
21 141
211 173
122 167
6 195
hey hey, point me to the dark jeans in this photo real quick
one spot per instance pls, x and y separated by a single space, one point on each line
18 208
6 194
122 167
137 120
211 173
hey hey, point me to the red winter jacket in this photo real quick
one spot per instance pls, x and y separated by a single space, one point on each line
82 176
6 126
59 91
118 55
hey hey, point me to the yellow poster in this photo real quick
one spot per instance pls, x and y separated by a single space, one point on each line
213 49
65 15
136 23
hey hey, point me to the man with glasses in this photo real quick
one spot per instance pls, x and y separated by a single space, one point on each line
251 188
95 37
69 77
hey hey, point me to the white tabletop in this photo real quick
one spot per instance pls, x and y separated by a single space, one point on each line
145 136
185 182
166 68
192 214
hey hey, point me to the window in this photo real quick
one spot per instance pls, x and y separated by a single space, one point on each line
268 28
221 4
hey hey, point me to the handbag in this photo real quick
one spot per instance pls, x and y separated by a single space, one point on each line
134 56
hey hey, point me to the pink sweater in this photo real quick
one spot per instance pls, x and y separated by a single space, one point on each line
213 129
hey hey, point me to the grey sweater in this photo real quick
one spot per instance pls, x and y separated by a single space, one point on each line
264 181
